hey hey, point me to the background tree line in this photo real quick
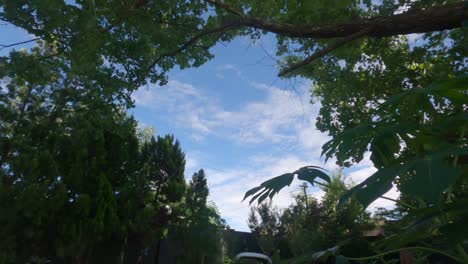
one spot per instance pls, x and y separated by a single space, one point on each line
310 225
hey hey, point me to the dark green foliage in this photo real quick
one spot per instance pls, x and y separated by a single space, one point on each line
163 163
309 226
197 192
76 175
198 237
418 142
118 44
66 163
68 150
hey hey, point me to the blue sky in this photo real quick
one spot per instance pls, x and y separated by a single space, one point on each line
237 121
242 124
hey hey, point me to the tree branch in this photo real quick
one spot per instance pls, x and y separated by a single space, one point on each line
193 40
18 43
323 52
436 18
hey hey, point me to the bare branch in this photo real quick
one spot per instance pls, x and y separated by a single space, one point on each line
17 43
340 42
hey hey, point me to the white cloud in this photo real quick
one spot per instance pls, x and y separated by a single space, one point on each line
228 187
361 174
414 37
191 164
280 119
171 97
229 67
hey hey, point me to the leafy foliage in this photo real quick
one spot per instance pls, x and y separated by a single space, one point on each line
76 174
308 225
67 146
199 235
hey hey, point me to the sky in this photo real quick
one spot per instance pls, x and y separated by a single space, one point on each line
240 123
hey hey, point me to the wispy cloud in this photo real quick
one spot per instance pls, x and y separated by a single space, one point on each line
278 117
278 120
228 187
223 69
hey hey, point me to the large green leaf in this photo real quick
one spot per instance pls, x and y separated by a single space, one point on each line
375 186
456 231
272 186
269 188
453 89
341 260
310 173
430 177
324 255
430 221
430 180
251 192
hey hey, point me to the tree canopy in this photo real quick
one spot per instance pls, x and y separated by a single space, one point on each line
66 139
127 43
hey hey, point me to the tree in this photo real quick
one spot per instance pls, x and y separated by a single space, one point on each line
66 160
309 225
198 237
266 227
347 222
136 39
163 161
197 193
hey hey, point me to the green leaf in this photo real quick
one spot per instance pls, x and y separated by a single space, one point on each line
251 192
455 231
310 173
257 195
426 215
431 179
263 197
340 259
272 186
454 89
375 186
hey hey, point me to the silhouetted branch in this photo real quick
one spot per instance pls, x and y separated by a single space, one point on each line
3 46
323 52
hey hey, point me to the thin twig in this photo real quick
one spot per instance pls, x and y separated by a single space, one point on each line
340 42
3 46
191 41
